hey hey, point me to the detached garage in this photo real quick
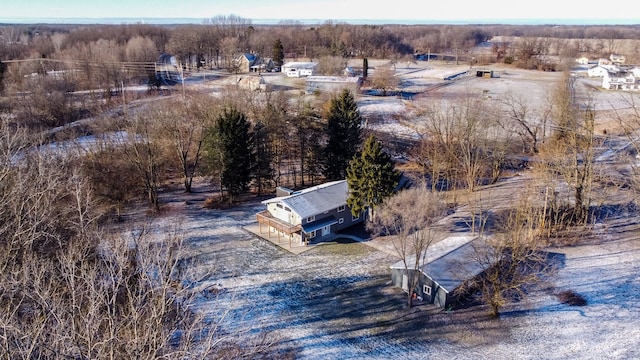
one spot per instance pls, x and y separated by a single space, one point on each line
449 264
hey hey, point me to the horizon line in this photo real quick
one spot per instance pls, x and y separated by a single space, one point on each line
311 21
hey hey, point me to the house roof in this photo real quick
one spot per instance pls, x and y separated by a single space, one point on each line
334 79
250 57
300 65
319 224
315 200
449 262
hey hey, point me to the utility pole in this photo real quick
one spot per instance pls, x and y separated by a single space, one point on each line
124 103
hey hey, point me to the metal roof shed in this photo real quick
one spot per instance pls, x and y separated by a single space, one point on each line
449 264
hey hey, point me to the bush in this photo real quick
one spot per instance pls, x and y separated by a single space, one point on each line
571 298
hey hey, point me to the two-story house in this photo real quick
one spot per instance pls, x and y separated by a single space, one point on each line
619 80
249 62
316 212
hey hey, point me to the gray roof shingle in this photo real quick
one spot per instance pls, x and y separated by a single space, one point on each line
315 200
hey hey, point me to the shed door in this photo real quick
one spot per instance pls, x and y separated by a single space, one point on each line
405 282
326 230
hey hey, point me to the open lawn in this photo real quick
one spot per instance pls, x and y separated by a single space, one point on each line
335 301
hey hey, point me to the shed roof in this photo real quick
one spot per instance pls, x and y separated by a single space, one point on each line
315 200
450 262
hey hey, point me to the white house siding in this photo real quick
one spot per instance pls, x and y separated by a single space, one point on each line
621 80
597 71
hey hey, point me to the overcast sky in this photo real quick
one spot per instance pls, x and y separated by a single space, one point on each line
418 10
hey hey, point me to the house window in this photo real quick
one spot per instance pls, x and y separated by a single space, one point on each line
341 208
287 209
312 235
356 217
311 218
279 206
340 221
426 289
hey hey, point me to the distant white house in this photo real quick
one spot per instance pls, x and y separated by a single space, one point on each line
617 58
299 69
604 62
620 80
600 70
582 60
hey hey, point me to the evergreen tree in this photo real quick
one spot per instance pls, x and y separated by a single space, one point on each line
278 53
343 132
371 177
235 149
262 170
365 68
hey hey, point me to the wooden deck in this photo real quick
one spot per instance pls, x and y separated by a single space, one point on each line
278 226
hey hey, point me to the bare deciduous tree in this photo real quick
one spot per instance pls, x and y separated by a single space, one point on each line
72 289
144 153
510 259
384 78
409 218
521 117
459 133
182 125
571 153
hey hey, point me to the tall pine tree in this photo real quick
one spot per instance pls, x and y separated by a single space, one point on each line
236 151
262 171
371 177
344 135
278 53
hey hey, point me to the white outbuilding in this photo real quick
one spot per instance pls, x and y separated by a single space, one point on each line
299 69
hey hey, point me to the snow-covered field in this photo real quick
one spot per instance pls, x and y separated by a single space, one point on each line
336 302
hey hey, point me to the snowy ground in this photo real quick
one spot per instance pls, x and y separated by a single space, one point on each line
335 301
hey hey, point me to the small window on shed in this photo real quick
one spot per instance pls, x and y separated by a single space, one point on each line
287 209
341 208
279 206
311 218
426 289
